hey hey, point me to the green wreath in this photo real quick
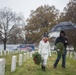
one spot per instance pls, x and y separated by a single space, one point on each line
60 48
37 58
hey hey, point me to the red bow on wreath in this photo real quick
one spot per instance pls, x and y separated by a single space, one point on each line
35 59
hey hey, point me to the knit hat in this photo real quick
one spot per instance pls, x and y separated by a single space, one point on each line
45 35
62 32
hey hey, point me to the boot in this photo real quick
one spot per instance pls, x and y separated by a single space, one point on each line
44 68
42 65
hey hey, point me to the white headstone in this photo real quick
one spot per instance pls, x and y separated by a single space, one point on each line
2 66
24 57
0 53
71 55
18 51
33 52
8 52
50 54
30 54
13 64
5 53
75 55
20 59
12 52
67 48
72 48
67 53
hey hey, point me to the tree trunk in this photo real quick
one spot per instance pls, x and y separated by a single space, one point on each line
5 43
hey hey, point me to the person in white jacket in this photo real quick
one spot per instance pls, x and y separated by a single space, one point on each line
44 50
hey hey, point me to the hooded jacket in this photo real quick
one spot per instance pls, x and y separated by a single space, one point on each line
62 40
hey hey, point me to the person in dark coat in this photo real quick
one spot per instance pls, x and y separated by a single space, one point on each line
62 38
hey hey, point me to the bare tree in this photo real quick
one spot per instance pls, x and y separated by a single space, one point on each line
19 37
8 20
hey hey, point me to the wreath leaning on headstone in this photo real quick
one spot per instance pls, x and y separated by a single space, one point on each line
60 48
37 58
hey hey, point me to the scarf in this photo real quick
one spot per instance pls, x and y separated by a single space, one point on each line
45 40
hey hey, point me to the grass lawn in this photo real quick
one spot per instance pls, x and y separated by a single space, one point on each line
29 68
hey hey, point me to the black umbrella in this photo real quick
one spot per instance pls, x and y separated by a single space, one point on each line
63 26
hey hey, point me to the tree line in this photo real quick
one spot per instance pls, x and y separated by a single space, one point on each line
14 30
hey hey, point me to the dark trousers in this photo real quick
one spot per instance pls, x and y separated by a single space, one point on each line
63 59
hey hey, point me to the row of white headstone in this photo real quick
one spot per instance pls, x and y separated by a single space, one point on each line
7 52
22 58
71 54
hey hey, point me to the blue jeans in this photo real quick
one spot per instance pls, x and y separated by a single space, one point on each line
58 59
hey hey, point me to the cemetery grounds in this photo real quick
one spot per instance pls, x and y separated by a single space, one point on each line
30 68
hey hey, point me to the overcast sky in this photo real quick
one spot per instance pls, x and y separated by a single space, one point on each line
24 6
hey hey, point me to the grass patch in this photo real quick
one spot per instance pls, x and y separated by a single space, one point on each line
29 68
